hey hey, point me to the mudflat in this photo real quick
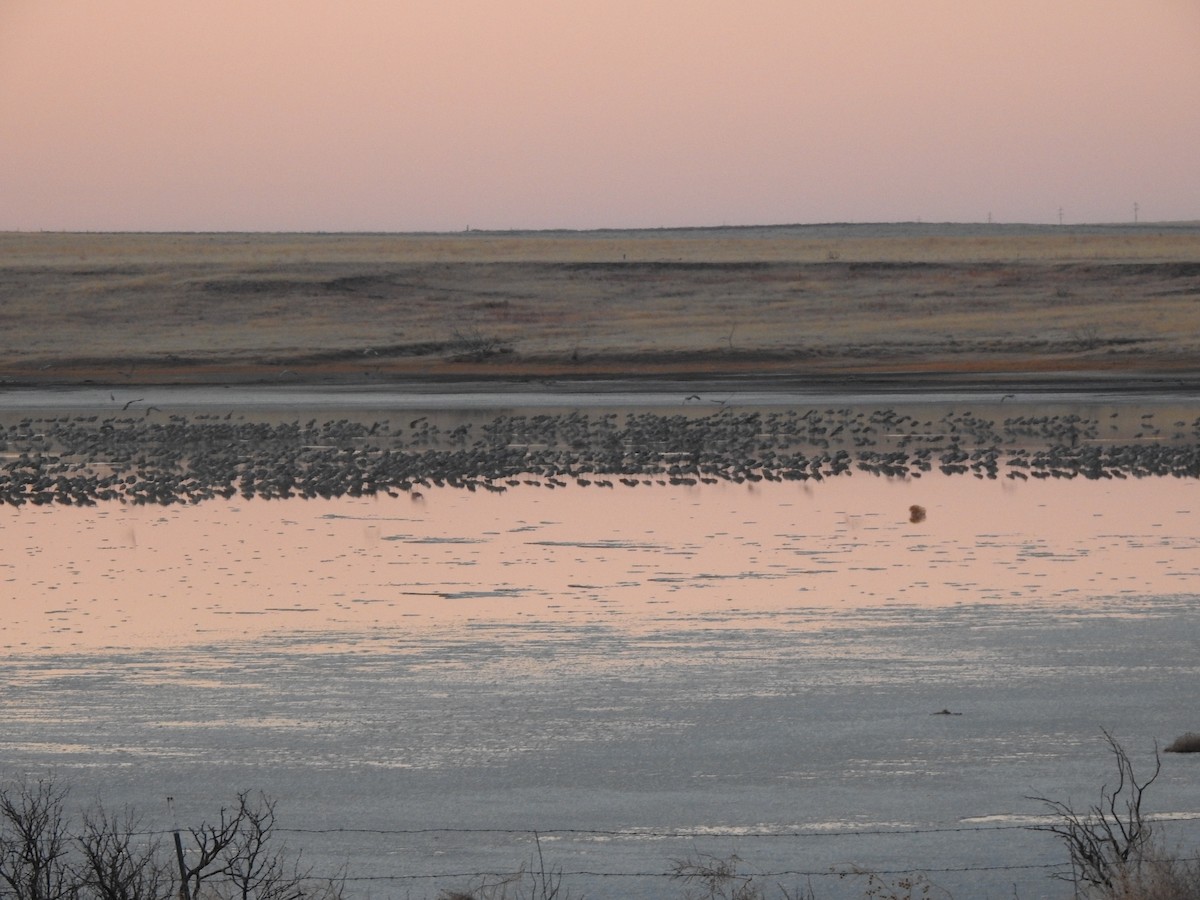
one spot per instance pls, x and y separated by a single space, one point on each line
809 302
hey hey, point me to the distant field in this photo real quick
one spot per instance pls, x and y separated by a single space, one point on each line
818 300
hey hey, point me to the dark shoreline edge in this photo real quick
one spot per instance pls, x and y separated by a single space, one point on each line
886 383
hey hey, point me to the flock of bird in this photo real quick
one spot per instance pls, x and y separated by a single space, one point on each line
167 459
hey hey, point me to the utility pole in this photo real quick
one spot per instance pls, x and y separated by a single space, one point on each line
1135 213
185 892
1060 215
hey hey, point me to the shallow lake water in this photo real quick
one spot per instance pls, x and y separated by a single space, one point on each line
795 673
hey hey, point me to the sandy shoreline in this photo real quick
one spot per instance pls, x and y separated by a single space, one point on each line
1020 393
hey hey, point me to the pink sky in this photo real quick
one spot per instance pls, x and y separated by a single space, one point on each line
442 114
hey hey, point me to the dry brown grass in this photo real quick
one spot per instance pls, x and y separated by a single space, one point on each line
1162 877
797 300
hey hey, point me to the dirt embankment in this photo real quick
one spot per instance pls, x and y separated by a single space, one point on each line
805 302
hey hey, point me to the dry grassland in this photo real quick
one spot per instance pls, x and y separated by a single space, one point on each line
822 300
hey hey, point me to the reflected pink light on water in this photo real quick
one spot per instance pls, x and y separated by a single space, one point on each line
626 558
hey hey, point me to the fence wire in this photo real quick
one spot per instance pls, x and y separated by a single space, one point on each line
1057 867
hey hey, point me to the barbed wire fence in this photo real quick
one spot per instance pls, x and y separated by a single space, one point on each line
403 862
1053 864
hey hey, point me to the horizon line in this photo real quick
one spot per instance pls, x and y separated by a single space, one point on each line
912 223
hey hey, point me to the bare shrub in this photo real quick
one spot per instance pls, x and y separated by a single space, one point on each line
236 858
1185 743
1108 842
532 881
46 856
1160 877
473 345
708 877
117 863
1086 337
34 842
909 886
714 878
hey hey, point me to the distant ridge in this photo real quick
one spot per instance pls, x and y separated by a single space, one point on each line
805 229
